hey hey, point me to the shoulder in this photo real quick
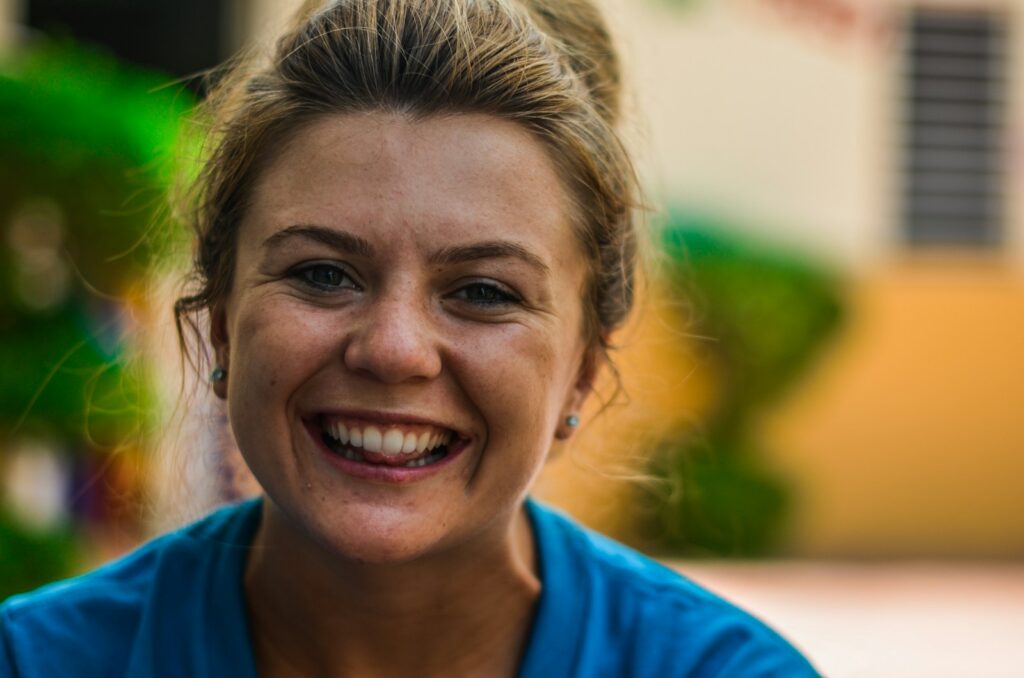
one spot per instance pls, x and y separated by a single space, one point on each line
659 621
90 622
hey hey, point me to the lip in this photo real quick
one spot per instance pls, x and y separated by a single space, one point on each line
391 475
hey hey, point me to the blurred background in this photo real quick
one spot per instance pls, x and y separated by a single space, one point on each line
825 411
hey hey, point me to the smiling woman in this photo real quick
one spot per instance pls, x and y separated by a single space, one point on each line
414 241
402 278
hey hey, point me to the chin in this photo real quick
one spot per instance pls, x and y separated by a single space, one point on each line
374 534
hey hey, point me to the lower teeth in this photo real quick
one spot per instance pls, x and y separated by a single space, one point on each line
349 453
437 455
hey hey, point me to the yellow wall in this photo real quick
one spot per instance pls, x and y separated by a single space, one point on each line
909 438
905 439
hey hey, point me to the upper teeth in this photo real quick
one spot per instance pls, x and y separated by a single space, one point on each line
392 440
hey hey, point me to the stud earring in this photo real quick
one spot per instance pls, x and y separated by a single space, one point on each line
572 421
218 374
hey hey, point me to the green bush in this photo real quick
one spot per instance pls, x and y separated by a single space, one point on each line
88 148
95 144
29 559
766 314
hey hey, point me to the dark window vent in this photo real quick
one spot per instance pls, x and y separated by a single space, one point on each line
953 127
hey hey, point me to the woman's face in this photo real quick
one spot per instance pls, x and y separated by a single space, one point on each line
403 335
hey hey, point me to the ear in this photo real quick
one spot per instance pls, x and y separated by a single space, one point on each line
221 348
590 366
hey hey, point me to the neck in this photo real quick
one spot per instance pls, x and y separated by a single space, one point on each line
463 612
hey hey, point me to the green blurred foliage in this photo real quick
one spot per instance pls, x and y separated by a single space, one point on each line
97 143
77 388
767 314
88 150
30 558
766 310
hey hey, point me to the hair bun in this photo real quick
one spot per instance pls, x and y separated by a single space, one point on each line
579 28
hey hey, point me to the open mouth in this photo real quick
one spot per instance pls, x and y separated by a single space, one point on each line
392 445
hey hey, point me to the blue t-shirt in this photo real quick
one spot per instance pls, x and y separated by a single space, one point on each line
175 607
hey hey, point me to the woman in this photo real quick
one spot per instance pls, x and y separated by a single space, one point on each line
414 241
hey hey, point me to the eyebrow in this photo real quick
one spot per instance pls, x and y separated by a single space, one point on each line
456 254
339 240
491 249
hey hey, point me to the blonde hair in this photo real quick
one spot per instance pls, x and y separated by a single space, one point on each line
548 65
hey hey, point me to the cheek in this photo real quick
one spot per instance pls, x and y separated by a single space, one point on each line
518 383
275 348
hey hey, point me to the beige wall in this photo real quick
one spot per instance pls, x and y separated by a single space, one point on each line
763 121
257 19
11 12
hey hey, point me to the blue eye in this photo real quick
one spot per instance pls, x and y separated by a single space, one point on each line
486 294
324 276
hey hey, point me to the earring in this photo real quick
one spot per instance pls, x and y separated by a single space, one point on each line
572 421
218 374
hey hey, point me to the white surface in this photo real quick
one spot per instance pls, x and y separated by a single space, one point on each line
877 620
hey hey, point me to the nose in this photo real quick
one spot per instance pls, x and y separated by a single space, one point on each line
393 341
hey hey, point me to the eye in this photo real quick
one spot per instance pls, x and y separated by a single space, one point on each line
323 276
486 295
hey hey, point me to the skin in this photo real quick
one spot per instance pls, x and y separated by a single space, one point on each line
435 577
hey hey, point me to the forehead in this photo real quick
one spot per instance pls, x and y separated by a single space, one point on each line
391 176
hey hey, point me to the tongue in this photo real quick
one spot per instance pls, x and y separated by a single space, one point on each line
392 459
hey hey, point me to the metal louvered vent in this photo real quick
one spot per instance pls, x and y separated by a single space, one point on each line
953 178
